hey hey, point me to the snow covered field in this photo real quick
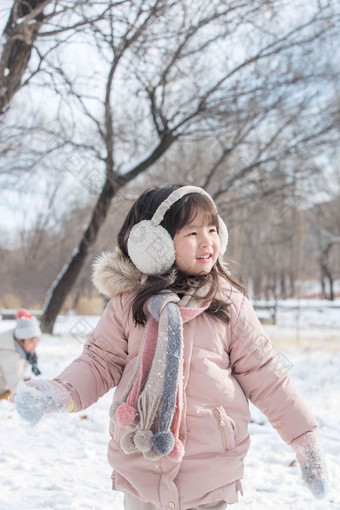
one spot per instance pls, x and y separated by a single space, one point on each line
61 463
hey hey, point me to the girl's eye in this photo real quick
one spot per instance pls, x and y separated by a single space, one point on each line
213 229
192 233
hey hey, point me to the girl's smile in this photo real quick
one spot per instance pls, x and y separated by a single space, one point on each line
197 246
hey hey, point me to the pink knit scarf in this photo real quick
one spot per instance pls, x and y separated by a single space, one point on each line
152 403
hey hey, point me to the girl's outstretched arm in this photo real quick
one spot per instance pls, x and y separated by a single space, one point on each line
258 370
100 366
87 378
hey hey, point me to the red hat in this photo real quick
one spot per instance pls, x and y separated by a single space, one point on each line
23 312
27 326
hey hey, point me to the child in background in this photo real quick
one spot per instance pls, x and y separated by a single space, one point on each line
17 352
182 344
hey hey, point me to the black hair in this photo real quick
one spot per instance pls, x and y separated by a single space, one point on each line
182 212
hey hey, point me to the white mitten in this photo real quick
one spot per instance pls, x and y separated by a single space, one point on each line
36 397
310 457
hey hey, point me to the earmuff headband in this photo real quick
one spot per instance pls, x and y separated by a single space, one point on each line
150 245
158 217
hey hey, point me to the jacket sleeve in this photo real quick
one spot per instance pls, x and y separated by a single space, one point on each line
100 366
13 368
258 370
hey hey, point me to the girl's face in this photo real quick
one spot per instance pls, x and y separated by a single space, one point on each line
197 246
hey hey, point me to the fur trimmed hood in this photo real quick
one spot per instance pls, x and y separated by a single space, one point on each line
113 273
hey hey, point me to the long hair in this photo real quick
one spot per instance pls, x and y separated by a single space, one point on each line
180 213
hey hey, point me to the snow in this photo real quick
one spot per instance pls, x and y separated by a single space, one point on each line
60 464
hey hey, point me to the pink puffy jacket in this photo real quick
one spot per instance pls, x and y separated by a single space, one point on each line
224 366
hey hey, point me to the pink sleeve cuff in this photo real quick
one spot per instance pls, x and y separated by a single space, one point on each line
305 443
75 397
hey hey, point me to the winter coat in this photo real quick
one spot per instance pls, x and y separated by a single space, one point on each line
13 368
224 366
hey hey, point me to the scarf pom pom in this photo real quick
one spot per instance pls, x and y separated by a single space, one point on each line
125 415
176 455
163 442
127 444
143 440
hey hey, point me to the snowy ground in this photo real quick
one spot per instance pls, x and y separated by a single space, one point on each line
61 463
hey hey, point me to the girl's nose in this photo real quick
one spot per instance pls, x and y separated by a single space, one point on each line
205 239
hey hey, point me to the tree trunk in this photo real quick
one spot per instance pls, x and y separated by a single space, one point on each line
331 287
325 266
328 277
323 287
19 36
283 291
71 270
291 284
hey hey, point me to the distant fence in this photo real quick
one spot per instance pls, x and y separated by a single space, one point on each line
267 312
9 314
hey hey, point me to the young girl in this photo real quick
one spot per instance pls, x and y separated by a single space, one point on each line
184 348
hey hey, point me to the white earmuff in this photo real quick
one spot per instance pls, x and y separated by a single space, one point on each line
151 247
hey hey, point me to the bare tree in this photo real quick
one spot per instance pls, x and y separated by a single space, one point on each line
29 21
176 71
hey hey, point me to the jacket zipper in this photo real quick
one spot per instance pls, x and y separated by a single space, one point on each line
222 424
